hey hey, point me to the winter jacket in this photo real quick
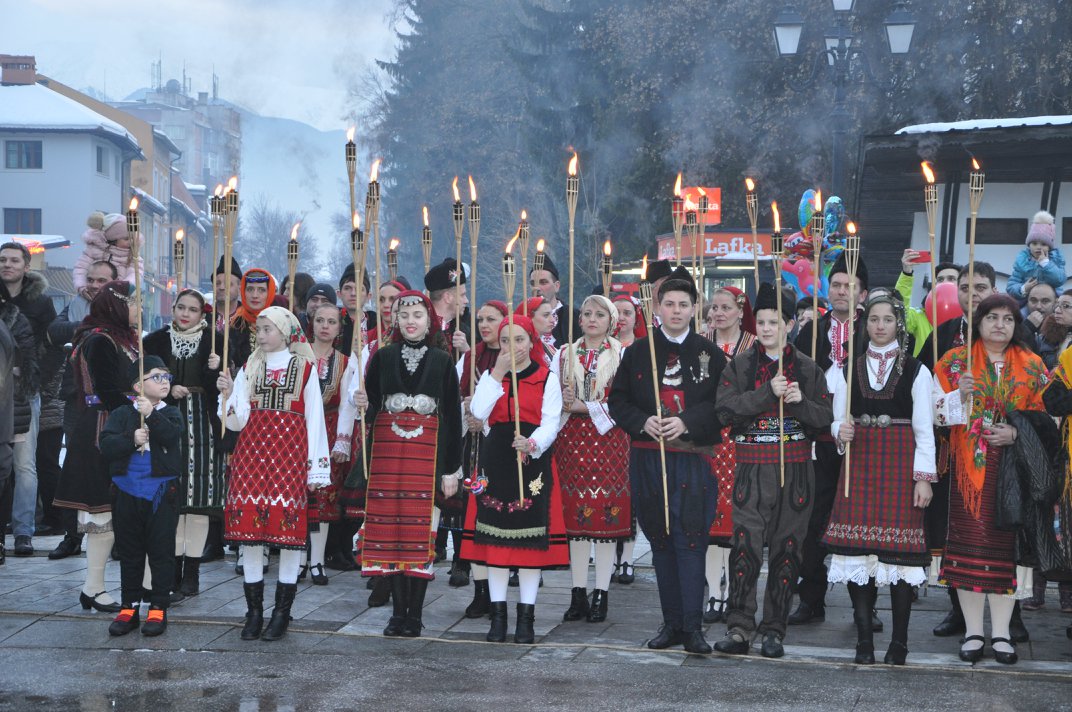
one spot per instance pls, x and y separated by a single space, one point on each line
9 353
1025 268
165 429
38 310
98 249
22 333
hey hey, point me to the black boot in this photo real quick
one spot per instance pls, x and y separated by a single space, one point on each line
497 631
414 606
69 546
251 630
399 594
901 602
191 576
597 609
953 623
481 602
381 592
861 597
1017 630
526 616
176 583
578 607
284 599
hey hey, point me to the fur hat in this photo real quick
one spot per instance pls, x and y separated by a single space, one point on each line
1042 230
657 270
841 266
235 269
442 275
767 298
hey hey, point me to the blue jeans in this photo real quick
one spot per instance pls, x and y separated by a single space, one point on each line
24 504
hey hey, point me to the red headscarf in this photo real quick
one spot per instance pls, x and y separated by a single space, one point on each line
640 326
536 349
529 307
748 319
413 297
244 312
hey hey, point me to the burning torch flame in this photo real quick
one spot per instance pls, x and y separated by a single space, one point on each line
777 216
851 227
394 244
350 134
749 184
133 204
573 164
356 221
454 187
701 191
524 215
232 184
677 186
540 245
975 165
472 189
510 245
606 248
179 235
928 174
294 231
644 269
375 173
424 209
219 190
818 200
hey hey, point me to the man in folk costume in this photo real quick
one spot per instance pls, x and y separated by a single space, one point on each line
766 510
658 272
545 283
830 351
688 367
449 303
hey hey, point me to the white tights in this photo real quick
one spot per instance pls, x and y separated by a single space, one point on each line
604 556
480 572
289 563
627 551
191 535
718 558
318 542
973 603
499 579
98 548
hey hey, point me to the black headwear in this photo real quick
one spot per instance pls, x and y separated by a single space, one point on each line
348 276
549 265
767 298
322 290
442 275
658 270
149 363
842 267
236 270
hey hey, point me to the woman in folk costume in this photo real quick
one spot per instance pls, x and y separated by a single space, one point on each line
185 346
1058 400
488 318
274 404
631 326
258 291
876 533
731 325
413 403
104 347
542 314
979 559
506 527
592 458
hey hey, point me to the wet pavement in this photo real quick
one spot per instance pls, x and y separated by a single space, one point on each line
57 656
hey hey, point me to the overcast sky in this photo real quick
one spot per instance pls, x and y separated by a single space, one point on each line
288 58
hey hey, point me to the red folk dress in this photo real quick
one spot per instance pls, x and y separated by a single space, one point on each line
324 505
724 462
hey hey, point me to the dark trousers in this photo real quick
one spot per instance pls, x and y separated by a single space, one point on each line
765 512
139 533
812 586
49 443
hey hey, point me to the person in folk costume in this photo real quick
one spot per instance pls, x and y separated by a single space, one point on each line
185 348
412 396
876 533
540 311
488 318
658 272
448 307
105 345
688 368
1058 400
592 457
389 292
258 292
504 527
274 404
354 297
979 559
766 511
830 351
732 326
545 283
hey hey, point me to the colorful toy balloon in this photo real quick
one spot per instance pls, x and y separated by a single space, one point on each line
806 210
948 306
833 215
798 245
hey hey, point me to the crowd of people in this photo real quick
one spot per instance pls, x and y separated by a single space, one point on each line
349 438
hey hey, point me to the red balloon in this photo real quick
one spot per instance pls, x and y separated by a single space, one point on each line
948 306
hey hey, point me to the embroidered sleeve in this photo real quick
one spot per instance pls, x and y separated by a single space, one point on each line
923 424
918 476
600 416
236 409
835 383
318 459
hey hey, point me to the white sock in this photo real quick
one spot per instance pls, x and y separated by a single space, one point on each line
180 536
480 572
627 551
147 577
578 562
98 548
605 552
529 582
498 581
318 541
196 534
289 563
717 558
1001 607
248 556
972 604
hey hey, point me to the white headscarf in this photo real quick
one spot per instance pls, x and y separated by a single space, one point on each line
293 335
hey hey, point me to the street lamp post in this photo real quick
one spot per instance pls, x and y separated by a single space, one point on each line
840 54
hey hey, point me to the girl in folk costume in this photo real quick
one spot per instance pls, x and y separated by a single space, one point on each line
282 451
505 527
185 346
631 326
731 325
415 410
542 314
105 345
488 318
979 559
592 458
876 533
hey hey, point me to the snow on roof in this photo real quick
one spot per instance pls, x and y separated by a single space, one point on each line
151 203
976 124
33 106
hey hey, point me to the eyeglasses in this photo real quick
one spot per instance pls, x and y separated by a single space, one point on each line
160 378
1062 305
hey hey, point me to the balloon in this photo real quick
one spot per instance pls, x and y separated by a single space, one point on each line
948 306
806 210
833 214
798 245
798 275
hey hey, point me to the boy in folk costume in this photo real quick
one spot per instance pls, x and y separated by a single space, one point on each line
275 405
766 511
688 367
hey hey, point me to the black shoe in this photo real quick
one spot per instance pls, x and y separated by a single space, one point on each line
23 546
395 626
280 621
381 593
772 646
317 575
597 609
526 618
1017 630
155 622
213 553
191 576
578 607
481 603
497 631
513 582
254 621
303 571
665 638
865 653
341 561
173 598
694 643
952 624
626 575
713 614
68 546
975 655
459 577
1003 657
896 654
91 602
876 622
733 644
440 555
126 622
806 614
614 575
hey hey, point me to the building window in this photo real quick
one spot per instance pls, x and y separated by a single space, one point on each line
997 231
103 163
22 221
22 154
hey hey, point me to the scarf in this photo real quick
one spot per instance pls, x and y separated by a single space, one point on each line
294 336
1063 373
244 312
1018 386
536 351
184 343
606 359
767 367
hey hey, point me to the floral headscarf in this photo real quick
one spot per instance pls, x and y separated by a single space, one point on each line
293 334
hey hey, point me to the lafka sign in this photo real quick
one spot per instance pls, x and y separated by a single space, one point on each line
717 243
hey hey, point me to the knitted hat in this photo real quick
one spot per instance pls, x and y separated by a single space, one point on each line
321 290
1042 230
115 227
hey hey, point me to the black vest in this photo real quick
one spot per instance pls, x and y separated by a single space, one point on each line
895 398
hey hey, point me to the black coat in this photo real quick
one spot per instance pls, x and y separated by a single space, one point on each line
822 344
561 330
39 312
632 395
25 359
165 430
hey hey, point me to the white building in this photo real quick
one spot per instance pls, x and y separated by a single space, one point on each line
61 161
